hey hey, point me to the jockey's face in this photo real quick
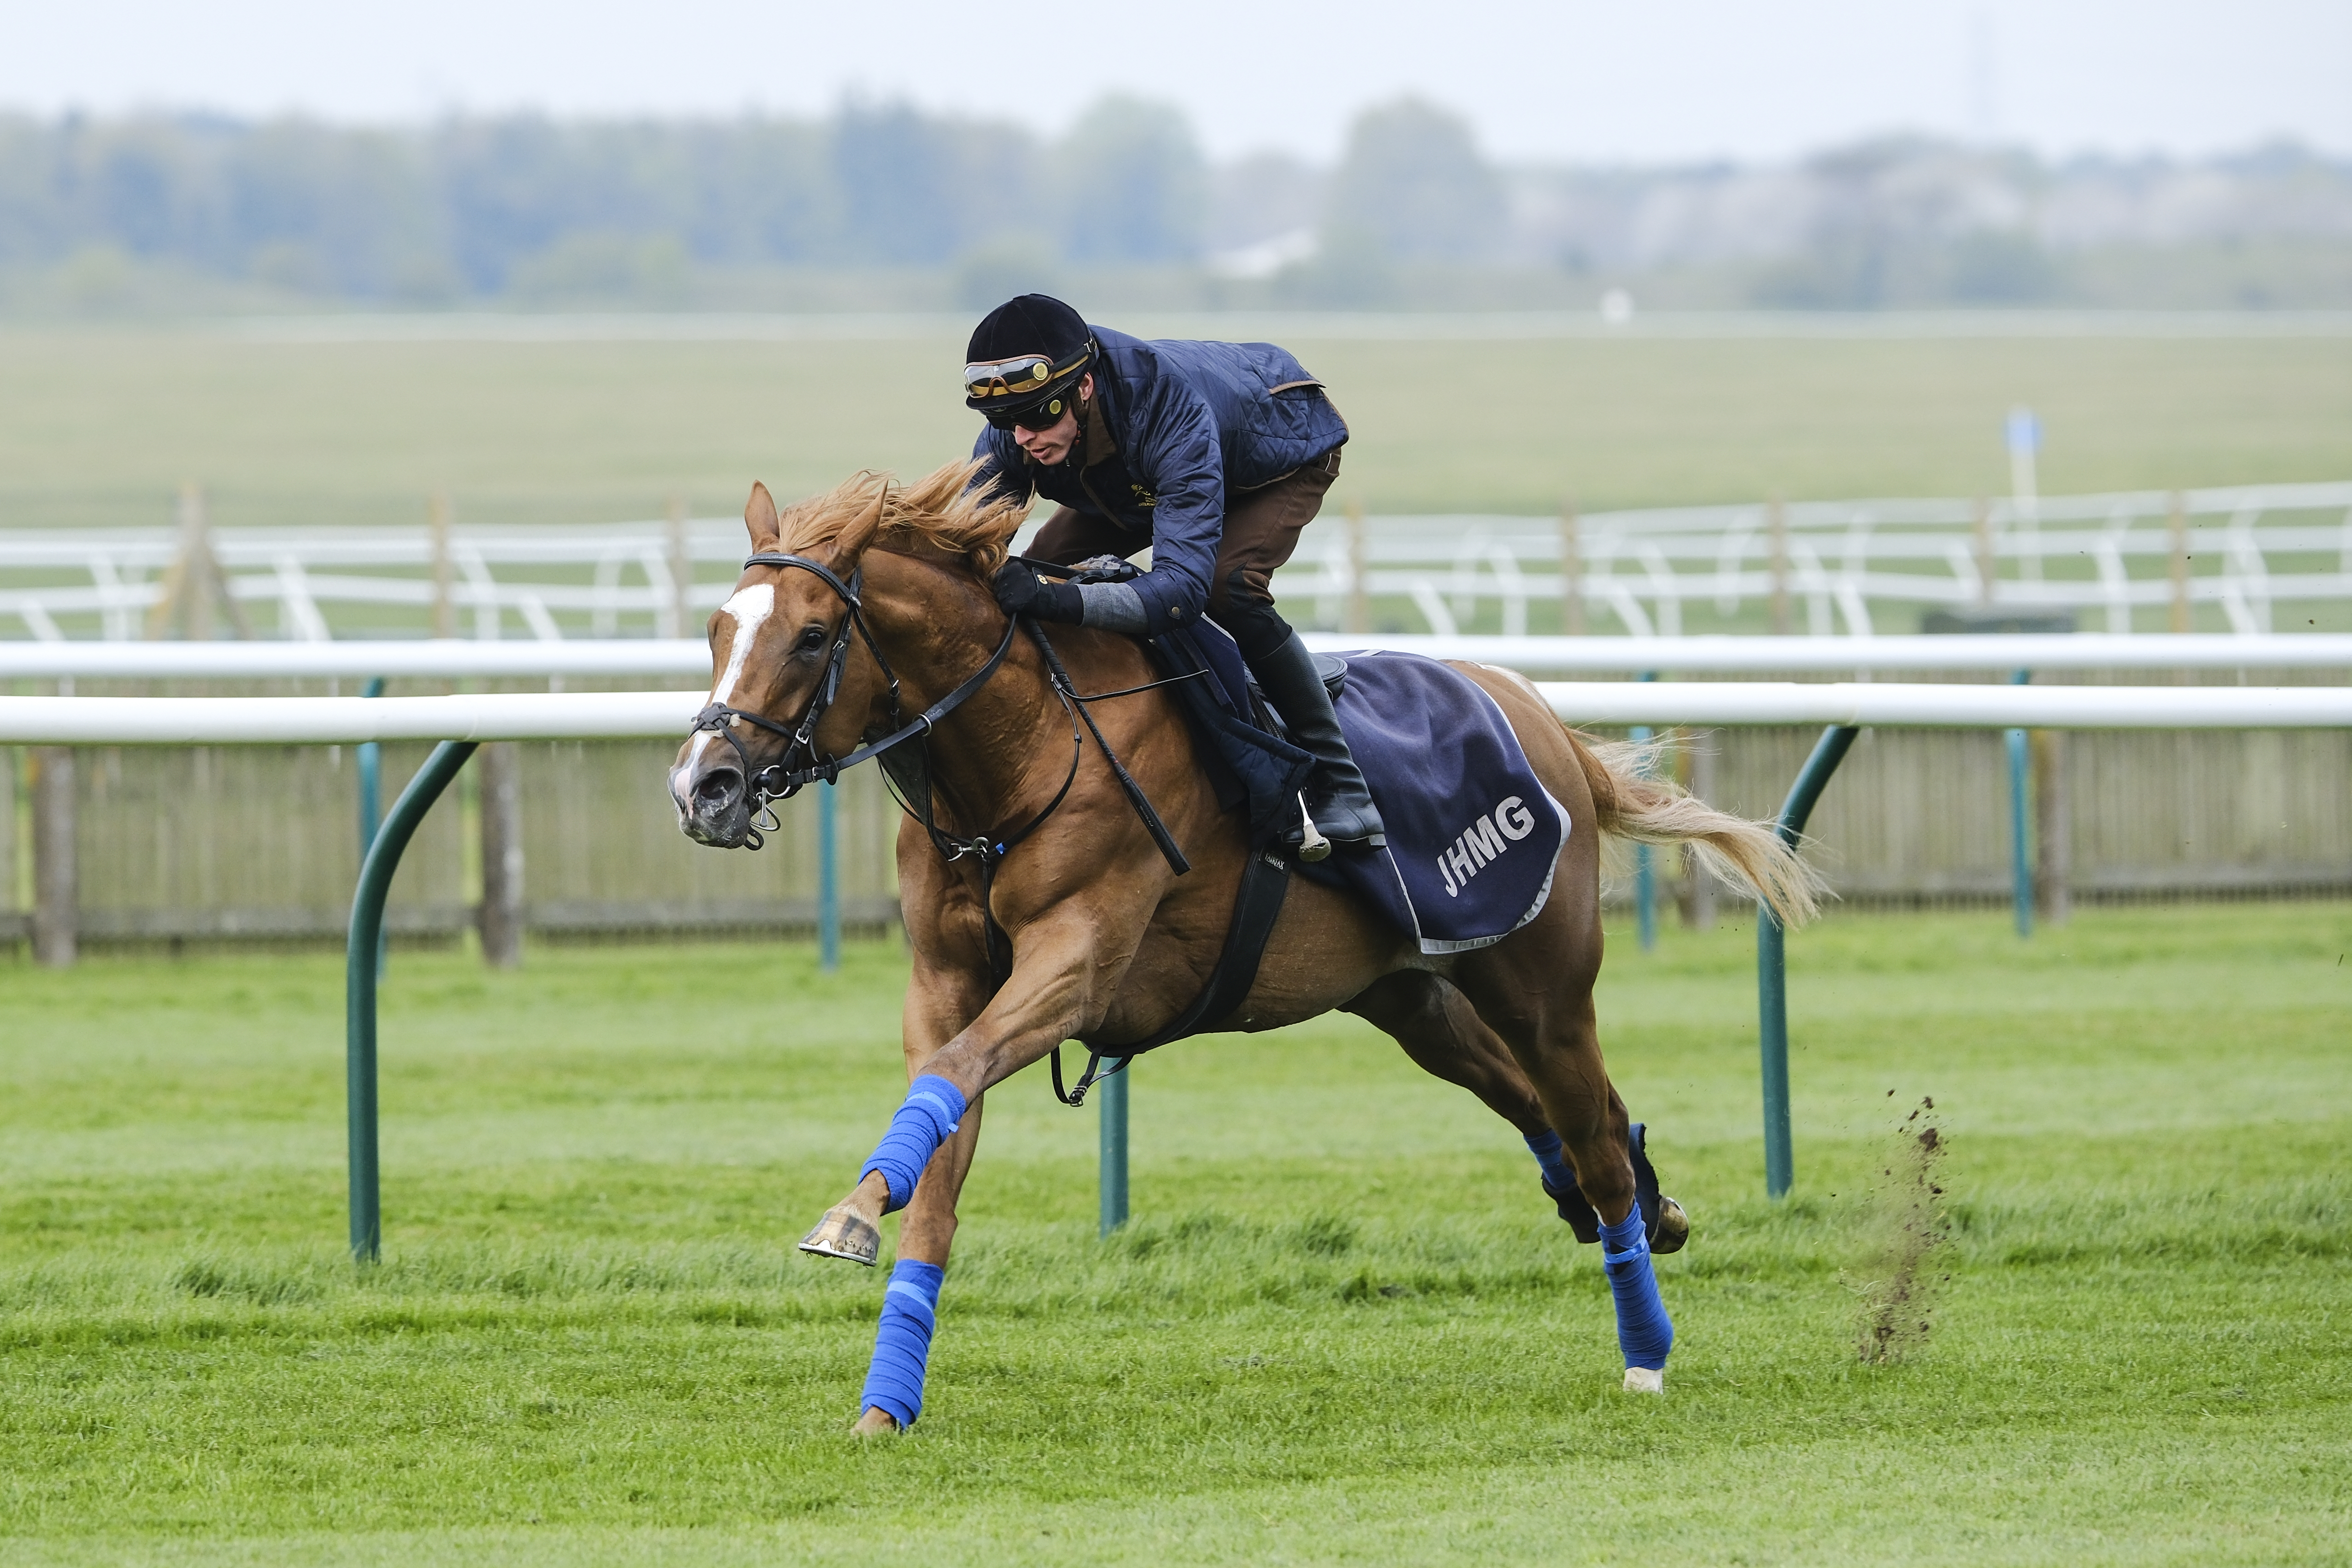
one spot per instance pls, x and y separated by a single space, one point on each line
1052 445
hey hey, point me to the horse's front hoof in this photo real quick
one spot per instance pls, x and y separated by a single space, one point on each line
1645 1380
877 1422
842 1233
1673 1228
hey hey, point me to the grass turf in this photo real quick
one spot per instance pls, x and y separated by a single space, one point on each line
1344 1326
102 426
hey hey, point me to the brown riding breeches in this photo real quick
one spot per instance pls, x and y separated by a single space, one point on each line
1262 529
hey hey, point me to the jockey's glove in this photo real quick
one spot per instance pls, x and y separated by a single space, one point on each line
1021 591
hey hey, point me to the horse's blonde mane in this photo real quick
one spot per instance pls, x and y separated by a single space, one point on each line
938 516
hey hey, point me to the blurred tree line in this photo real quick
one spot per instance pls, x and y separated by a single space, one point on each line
650 212
482 206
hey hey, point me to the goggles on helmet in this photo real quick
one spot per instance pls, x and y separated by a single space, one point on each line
1014 390
1016 377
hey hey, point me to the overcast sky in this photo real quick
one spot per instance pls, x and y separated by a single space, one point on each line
1666 79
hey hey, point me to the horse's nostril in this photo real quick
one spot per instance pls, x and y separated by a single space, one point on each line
719 789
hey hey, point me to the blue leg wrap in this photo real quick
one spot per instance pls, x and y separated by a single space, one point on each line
1645 1333
1546 1147
933 1108
902 1340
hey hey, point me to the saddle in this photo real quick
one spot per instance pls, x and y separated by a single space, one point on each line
1474 835
1250 763
1240 740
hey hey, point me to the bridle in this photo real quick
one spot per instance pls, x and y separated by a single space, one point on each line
800 766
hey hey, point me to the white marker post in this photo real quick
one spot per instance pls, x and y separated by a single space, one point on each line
2024 488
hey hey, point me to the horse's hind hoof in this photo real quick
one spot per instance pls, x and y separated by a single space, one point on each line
1645 1380
1673 1229
875 1423
1663 1218
842 1233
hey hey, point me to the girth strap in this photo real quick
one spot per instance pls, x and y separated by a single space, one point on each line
1266 881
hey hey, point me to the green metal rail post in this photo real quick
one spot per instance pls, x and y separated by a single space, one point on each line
828 881
1772 964
1110 1093
1645 860
359 985
370 758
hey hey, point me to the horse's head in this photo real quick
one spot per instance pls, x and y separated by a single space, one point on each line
780 669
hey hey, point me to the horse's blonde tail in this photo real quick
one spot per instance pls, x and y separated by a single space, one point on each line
1631 803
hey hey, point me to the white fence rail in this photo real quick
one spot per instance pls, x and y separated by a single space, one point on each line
618 716
2132 561
464 659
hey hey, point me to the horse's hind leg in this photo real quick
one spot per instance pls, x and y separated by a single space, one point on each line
1443 1034
1535 989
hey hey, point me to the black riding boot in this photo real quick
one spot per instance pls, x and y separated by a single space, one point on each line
1337 800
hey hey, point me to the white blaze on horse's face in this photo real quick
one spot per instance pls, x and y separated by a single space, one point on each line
748 609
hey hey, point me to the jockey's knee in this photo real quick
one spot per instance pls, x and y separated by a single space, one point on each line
1243 605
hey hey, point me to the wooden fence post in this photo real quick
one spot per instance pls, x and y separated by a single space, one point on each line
1571 573
2181 620
55 886
2053 871
1987 559
193 583
444 609
500 785
681 572
1778 514
1358 616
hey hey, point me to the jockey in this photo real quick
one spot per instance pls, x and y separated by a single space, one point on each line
1215 454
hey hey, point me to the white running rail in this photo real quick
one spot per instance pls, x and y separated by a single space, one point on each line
464 658
2247 557
2119 562
615 716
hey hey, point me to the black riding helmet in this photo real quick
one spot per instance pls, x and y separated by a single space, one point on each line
1025 361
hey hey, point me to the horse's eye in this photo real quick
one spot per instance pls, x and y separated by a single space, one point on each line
811 640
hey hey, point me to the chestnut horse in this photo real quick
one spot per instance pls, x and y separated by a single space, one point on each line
871 603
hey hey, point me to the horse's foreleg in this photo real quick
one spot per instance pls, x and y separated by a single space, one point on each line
1044 1002
920 1163
1052 995
902 1339
941 999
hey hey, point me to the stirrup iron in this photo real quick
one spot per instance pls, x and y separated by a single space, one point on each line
1312 845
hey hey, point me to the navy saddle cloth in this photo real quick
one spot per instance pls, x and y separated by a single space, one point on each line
1473 834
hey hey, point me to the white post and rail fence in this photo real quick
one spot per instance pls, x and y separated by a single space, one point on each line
2143 834
459 724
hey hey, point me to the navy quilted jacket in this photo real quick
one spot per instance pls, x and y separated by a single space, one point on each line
1191 422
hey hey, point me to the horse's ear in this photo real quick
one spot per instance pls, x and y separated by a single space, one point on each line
760 519
860 531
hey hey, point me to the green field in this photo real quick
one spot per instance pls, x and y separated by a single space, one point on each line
100 426
1344 1326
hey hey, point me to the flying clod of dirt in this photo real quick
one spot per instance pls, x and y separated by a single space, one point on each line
1898 1296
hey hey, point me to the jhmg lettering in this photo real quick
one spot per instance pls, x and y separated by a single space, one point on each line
1483 840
